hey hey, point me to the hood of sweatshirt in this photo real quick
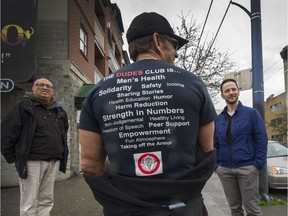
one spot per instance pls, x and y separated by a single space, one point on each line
31 96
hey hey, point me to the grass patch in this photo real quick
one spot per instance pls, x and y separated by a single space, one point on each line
274 201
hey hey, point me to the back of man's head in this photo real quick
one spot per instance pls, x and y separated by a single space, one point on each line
146 24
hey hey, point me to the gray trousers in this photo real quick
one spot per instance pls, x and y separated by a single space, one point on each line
37 191
241 186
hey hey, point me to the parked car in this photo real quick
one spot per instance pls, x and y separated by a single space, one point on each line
277 165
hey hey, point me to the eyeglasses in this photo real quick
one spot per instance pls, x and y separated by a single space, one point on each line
42 85
172 40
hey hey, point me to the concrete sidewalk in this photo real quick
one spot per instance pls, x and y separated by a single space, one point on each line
74 198
217 205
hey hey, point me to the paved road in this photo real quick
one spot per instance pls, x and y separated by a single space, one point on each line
74 198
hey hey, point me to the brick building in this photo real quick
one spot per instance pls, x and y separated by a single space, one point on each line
275 113
276 109
77 43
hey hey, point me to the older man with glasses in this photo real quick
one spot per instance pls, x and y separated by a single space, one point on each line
154 123
34 137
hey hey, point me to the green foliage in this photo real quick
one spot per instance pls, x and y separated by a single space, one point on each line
274 201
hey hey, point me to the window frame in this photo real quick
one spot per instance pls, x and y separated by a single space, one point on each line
275 107
83 40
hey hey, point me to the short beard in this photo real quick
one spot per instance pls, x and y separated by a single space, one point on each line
232 102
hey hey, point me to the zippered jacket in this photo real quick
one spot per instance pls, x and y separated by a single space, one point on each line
17 131
248 143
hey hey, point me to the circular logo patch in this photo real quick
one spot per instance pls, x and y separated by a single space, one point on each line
148 163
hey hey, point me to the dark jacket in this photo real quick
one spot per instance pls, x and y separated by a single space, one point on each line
122 195
17 131
248 139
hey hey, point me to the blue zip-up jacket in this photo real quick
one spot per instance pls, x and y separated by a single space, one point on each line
248 139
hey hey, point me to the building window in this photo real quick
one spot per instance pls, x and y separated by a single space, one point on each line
112 41
275 107
83 40
278 138
276 122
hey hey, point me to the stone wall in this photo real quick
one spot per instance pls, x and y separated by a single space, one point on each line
65 88
52 63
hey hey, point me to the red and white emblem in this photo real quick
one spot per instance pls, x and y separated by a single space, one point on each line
149 163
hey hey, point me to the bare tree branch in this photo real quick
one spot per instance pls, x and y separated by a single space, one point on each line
195 56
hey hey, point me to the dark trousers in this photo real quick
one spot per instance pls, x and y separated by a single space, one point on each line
193 207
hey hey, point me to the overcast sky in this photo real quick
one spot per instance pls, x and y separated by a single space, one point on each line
234 35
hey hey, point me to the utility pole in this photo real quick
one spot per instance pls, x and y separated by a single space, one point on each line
257 77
